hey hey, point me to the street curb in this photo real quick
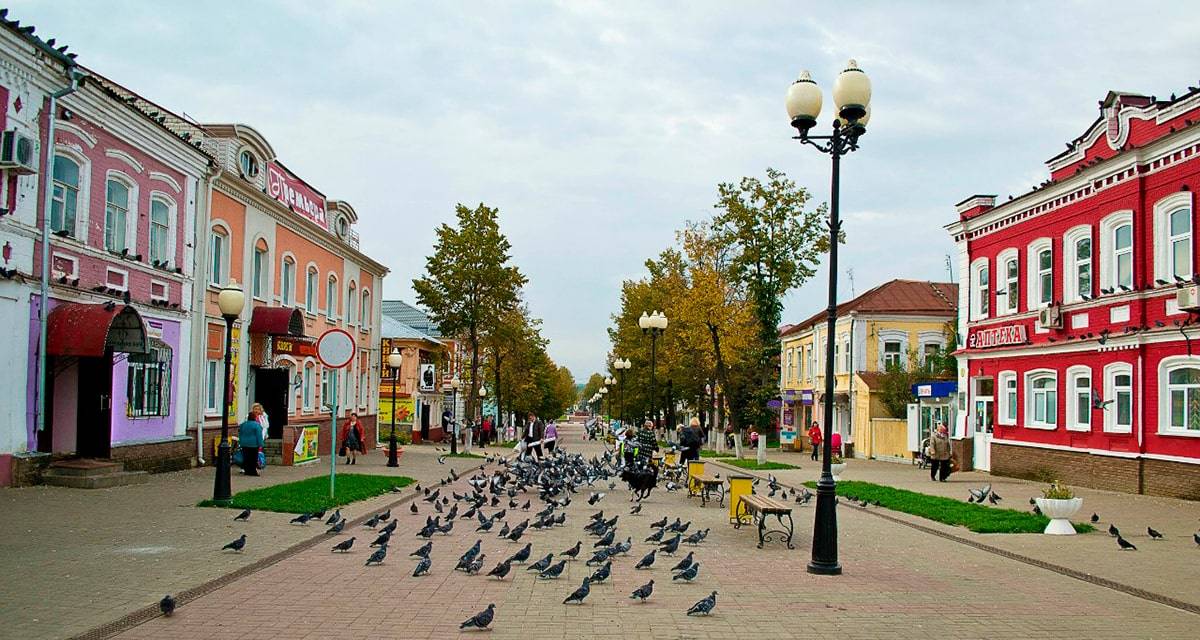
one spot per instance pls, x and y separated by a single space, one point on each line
1034 562
148 613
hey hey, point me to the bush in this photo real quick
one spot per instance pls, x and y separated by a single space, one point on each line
1057 492
403 434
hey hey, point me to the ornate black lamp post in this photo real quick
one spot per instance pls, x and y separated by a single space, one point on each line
394 362
653 323
230 301
621 366
852 97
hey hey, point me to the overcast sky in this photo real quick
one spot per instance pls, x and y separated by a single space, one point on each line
598 128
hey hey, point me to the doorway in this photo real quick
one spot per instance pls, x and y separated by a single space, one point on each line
271 387
93 438
984 423
424 421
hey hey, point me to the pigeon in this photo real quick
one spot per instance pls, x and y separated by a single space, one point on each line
522 555
243 516
167 604
437 506
602 573
474 567
236 545
317 515
441 459
595 497
685 563
641 593
1125 544
301 519
647 560
470 554
337 528
636 509
542 564
1154 535
993 498
671 545
554 571
445 529
422 568
598 557
1095 516
333 519
480 620
660 524
413 508
378 556
656 536
423 551
485 525
501 569
1196 538
1037 510
344 545
579 594
688 574
383 539
705 606
606 540
573 552
371 522
504 531
391 527
697 537
674 525
1114 531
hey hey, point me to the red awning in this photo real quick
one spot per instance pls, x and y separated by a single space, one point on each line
277 321
88 330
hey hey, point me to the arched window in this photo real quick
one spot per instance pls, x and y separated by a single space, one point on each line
218 270
116 216
248 164
307 392
260 267
351 299
287 281
1077 264
310 290
1007 382
160 230
1079 407
1179 408
1173 237
331 298
1040 270
364 311
1123 256
1010 270
1041 399
980 295
1118 398
65 199
1116 253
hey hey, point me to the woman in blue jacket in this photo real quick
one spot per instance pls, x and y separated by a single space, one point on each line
250 440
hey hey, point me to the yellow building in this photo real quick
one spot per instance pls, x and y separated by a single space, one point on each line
890 323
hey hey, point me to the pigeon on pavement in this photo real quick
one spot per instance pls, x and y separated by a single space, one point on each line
660 524
1154 535
656 536
236 545
476 565
685 563
333 519
413 508
501 570
167 604
688 574
553 572
1114 531
641 593
337 528
382 540
1125 544
378 556
541 565
704 607
579 594
344 545
647 560
602 573
422 568
1095 516
301 519
243 516
573 552
671 545
480 620
636 509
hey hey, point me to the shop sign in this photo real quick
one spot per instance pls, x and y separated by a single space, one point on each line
295 348
789 417
406 409
806 397
428 377
997 337
306 444
295 194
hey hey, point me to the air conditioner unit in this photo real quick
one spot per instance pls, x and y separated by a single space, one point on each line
18 153
1050 317
1188 298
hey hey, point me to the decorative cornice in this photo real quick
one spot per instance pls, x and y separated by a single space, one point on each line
162 177
126 158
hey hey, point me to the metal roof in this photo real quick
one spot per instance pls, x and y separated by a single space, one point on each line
396 330
411 316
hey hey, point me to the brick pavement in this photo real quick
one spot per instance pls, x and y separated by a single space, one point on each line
899 583
76 559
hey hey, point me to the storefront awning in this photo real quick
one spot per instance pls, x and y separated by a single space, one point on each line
277 321
88 330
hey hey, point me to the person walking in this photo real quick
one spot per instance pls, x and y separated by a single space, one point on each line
353 439
939 454
487 429
262 418
814 439
835 443
550 438
646 443
689 441
250 440
534 429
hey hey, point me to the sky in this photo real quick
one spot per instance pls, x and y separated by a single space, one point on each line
599 128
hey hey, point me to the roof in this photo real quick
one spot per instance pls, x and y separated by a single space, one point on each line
896 297
277 321
411 316
396 330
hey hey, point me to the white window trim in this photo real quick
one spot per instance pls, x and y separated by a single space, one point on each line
218 394
1002 410
312 307
1070 272
978 292
84 195
364 309
1111 371
172 226
1033 274
352 303
1030 423
1108 262
268 269
133 217
1073 423
331 305
283 301
308 380
1012 305
225 257
1162 232
884 336
1164 396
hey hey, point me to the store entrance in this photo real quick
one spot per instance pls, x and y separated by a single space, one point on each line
271 390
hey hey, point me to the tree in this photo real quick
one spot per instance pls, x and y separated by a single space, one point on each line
504 334
595 381
467 280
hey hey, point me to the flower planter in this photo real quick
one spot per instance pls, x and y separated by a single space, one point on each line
836 468
1059 512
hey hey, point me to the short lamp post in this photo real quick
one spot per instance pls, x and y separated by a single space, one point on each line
455 385
621 366
653 323
852 99
482 394
230 301
395 359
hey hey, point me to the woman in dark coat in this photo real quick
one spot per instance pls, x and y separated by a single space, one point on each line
353 439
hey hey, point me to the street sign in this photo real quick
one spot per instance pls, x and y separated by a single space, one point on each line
335 348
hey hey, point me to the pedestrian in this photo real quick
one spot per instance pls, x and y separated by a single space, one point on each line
446 424
939 454
814 438
835 443
263 419
534 429
353 439
550 438
487 428
645 442
753 438
689 441
250 440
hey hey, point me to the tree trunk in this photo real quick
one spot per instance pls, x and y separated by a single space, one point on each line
472 396
498 419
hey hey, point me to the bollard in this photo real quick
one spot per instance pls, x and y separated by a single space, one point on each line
762 450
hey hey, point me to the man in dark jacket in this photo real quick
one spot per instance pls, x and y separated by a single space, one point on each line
689 441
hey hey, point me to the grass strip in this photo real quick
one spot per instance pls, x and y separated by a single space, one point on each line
977 518
312 494
753 465
464 454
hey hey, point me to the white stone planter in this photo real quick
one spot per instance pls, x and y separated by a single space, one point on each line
1059 512
836 468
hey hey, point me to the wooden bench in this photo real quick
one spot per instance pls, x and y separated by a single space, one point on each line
707 485
754 509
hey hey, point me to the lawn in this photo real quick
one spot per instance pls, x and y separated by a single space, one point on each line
464 454
708 453
312 494
977 518
752 464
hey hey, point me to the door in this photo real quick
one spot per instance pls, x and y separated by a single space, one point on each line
93 437
271 387
984 423
425 421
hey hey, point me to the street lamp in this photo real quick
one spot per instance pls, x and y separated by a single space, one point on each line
230 301
455 384
395 359
621 366
653 323
852 99
604 394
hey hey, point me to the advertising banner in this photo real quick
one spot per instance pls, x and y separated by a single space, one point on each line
405 410
295 194
306 444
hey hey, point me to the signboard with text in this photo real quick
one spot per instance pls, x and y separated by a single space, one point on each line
295 194
997 337
292 347
306 444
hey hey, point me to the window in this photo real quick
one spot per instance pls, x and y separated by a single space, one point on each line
364 311
258 287
326 398
837 357
218 258
1079 411
331 298
891 354
1077 264
307 391
248 164
1118 398
310 291
1182 397
1008 397
930 350
350 300
979 290
1012 284
1041 392
1123 257
288 278
363 385
65 199
1040 270
213 393
1082 271
160 231
148 386
116 216
1045 277
800 363
1173 238
791 369
1179 243
1116 252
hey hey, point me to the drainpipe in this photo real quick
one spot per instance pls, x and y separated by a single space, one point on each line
199 334
75 79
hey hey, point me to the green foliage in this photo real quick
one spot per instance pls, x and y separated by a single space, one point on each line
895 385
977 518
1057 492
752 464
709 453
403 434
312 494
464 454
591 387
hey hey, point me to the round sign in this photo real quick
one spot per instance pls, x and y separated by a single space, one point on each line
335 348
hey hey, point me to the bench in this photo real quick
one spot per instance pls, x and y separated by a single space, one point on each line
754 509
707 485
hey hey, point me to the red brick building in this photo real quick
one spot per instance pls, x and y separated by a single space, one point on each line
1081 358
